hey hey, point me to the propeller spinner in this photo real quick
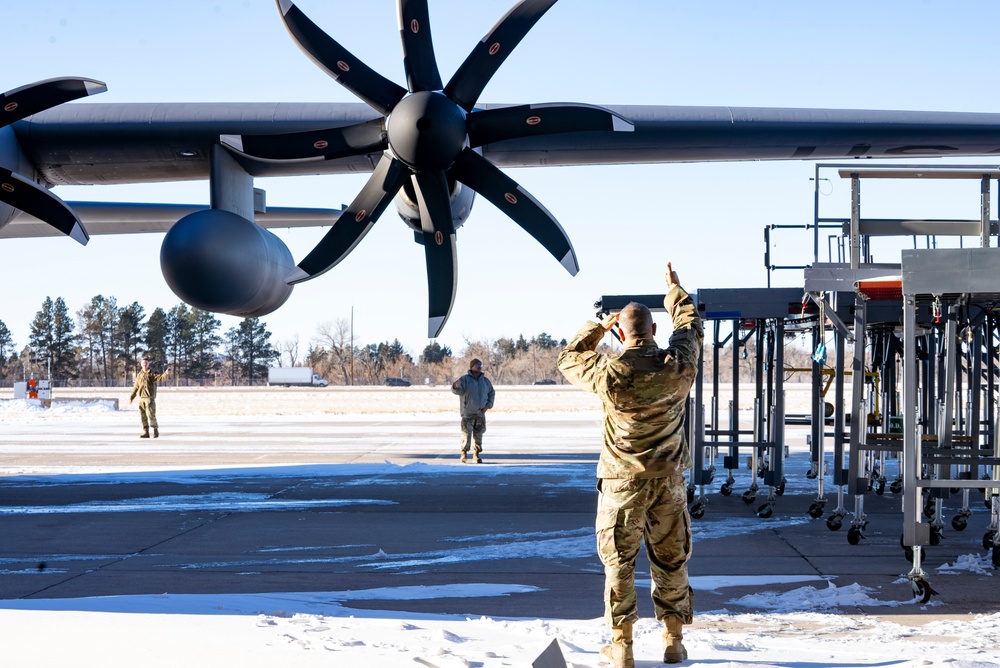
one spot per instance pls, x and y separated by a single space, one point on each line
427 133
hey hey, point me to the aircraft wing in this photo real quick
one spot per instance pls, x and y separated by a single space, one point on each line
126 218
94 143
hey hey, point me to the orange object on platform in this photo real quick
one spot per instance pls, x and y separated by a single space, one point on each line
881 289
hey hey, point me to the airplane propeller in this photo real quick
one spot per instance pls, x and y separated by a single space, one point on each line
427 134
23 193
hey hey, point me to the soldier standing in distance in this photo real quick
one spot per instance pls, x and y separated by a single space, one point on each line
642 494
476 397
145 389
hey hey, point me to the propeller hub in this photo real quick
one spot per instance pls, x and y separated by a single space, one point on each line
426 131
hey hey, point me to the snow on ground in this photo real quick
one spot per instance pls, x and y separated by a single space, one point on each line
798 630
806 627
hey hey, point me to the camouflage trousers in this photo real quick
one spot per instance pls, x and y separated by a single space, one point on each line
654 510
147 413
473 428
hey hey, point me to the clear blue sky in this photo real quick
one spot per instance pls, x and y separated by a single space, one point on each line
625 222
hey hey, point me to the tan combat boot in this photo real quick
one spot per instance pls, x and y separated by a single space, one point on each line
156 432
619 652
144 434
673 649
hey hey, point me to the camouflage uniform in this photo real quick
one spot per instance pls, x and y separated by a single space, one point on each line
476 395
641 469
145 389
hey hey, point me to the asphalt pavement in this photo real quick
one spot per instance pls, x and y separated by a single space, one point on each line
79 521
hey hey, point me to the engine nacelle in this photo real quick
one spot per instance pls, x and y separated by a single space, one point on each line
218 261
461 204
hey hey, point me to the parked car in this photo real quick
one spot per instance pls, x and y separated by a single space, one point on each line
545 381
397 382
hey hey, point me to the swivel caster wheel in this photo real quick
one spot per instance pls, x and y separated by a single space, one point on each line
854 535
896 486
929 508
880 487
988 539
936 535
834 522
765 510
698 510
816 510
922 590
959 522
780 489
749 496
727 488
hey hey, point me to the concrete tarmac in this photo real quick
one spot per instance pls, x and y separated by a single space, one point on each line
344 504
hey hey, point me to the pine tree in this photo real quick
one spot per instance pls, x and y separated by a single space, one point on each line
205 339
251 350
52 340
156 338
6 349
131 330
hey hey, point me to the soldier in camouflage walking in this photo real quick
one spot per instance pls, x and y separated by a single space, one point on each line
642 493
476 397
145 389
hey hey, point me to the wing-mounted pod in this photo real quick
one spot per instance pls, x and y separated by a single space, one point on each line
428 135
218 259
18 191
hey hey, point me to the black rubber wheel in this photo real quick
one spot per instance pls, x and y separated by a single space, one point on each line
698 510
896 486
922 590
959 522
765 511
988 538
834 522
726 489
749 497
854 536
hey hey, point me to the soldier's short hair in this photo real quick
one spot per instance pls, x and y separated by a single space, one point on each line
637 320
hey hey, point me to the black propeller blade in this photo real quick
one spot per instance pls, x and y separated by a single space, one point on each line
355 221
482 176
486 58
418 47
434 199
338 62
528 120
325 144
22 193
41 95
33 199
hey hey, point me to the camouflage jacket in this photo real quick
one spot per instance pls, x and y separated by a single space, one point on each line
145 385
476 393
643 390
